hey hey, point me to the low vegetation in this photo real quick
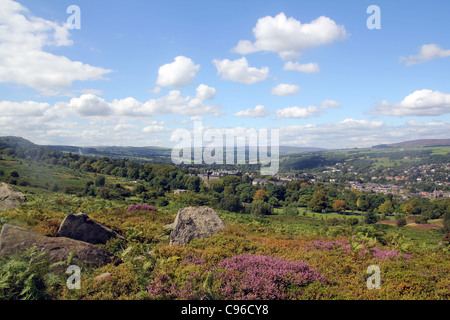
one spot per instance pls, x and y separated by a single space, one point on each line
313 242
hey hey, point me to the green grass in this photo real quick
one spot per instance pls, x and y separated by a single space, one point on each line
41 177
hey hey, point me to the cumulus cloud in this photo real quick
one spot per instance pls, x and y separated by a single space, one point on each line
239 71
23 59
311 67
423 102
257 112
308 112
289 37
297 112
172 103
284 89
17 109
178 73
94 107
427 52
90 105
204 92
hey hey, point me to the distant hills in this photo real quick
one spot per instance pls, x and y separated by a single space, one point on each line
145 154
421 143
163 155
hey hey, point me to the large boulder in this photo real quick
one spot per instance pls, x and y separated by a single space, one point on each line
10 199
81 227
195 222
15 239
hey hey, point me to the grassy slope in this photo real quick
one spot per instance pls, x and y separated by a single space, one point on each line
146 253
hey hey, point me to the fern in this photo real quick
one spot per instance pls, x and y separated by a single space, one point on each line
28 276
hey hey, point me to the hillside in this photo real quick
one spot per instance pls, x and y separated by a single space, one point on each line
422 143
296 228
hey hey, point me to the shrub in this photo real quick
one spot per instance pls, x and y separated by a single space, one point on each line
290 210
330 245
401 222
14 174
352 221
241 277
334 222
263 277
370 217
143 207
195 199
388 254
162 202
231 203
100 181
259 208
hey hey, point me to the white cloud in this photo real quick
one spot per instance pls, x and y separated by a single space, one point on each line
284 89
308 112
289 37
90 105
329 104
31 108
351 133
359 124
297 112
177 74
124 127
96 108
204 92
311 67
258 112
239 71
155 129
23 60
156 90
172 103
427 52
419 103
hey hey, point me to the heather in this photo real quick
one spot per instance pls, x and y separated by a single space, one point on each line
144 207
243 277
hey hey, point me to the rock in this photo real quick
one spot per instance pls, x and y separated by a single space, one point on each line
81 227
15 239
195 222
10 199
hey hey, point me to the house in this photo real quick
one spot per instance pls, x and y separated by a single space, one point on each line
257 181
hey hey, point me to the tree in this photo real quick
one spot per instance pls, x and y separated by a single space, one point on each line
273 202
259 195
386 207
370 217
446 221
100 181
339 205
362 204
290 210
231 203
318 202
193 184
245 192
103 192
259 208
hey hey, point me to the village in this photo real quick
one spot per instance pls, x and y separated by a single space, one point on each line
405 184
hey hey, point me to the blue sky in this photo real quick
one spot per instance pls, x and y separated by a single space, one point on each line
137 70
